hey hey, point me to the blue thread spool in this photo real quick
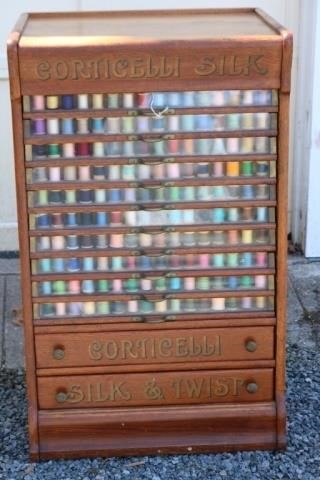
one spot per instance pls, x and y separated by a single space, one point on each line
187 123
47 310
158 124
116 263
233 214
115 195
43 220
247 191
246 259
58 265
45 288
88 264
45 265
73 265
97 125
188 99
102 219
188 216
75 308
218 260
145 262
174 217
67 102
68 126
72 242
71 220
218 215
203 122
174 99
232 282
175 283
39 151
87 286
261 214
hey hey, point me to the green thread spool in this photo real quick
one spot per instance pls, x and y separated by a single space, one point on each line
59 287
232 259
203 283
53 150
70 196
103 285
160 284
174 193
233 121
132 285
103 307
43 197
218 260
246 281
246 168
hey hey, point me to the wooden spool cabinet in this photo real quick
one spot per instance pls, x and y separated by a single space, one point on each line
151 166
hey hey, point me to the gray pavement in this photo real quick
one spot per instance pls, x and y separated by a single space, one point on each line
303 324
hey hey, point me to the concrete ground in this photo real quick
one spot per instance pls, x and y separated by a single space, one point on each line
303 308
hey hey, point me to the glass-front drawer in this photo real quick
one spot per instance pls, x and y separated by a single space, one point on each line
152 100
144 262
147 307
155 147
103 219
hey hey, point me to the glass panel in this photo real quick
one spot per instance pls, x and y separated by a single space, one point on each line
189 261
154 284
160 171
152 194
152 100
146 124
159 217
155 240
159 147
145 307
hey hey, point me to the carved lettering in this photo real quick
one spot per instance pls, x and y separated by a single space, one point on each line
43 70
75 394
233 65
194 387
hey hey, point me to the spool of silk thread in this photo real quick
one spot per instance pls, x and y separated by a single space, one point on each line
84 172
218 169
83 101
218 215
232 121
103 286
218 237
88 264
102 219
130 218
61 309
85 196
117 285
247 97
189 283
67 102
233 146
232 214
75 308
67 126
46 310
98 149
247 121
116 263
113 125
218 304
173 170
102 308
52 102
262 191
133 306
44 265
102 263
217 98
218 260
232 259
99 195
261 259
38 103
175 283
71 220
43 243
246 168
260 302
246 259
97 126
143 99
262 120
233 237
114 172
145 240
68 150
58 265
173 239
57 220
187 123
70 173
262 169
43 220
42 197
83 149
246 281
260 281
128 172
72 242
263 145
146 284
97 101
247 145
203 238
261 214
39 126
73 265
113 100
246 237
89 308
247 214
204 260
233 169
131 263
59 287
203 283
188 99
74 287
116 240
246 303
44 288
247 192
232 282
53 126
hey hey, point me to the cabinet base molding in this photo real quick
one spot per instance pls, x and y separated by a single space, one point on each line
118 432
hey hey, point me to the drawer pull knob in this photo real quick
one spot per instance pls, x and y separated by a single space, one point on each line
252 387
58 353
251 346
61 397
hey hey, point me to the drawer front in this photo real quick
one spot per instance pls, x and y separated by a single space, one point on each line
154 388
154 347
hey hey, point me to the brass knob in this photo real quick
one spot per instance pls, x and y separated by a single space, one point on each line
252 387
58 353
251 346
61 397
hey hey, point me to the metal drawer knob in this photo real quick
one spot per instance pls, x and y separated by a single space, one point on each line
252 387
251 346
61 397
58 353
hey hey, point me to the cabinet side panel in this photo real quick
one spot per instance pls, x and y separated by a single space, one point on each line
16 104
